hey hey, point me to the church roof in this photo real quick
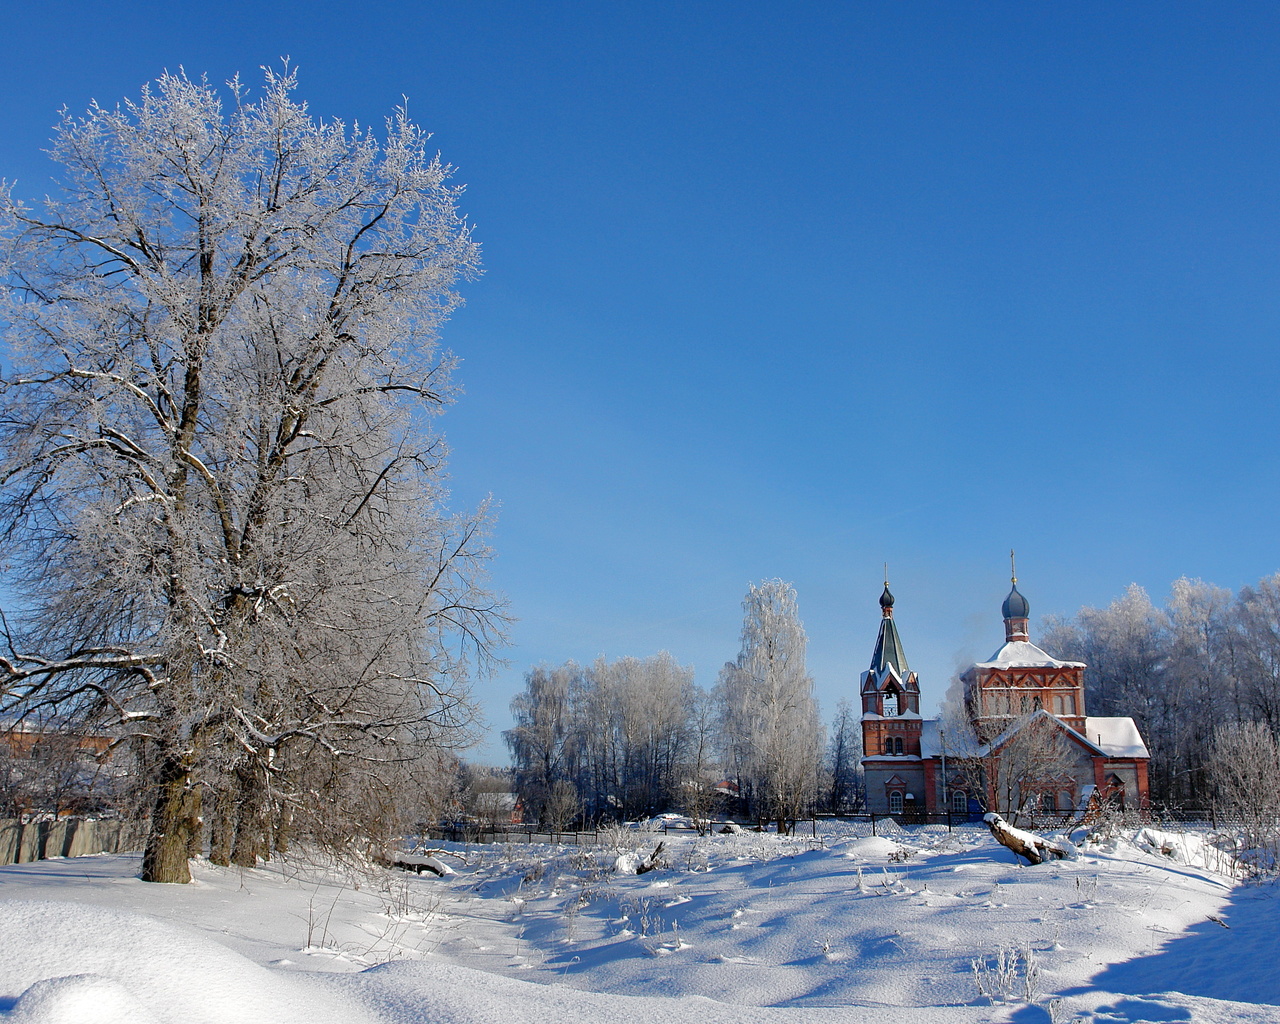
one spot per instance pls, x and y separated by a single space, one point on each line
1024 654
1113 737
889 651
1119 737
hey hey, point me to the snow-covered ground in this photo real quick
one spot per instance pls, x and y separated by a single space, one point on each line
925 927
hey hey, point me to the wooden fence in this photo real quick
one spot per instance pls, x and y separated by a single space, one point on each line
24 841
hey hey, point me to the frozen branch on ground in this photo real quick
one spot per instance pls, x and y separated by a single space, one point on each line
1036 849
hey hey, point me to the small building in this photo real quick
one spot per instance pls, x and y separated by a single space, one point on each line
1019 692
26 740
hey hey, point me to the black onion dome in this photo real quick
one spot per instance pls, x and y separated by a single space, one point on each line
886 599
1015 605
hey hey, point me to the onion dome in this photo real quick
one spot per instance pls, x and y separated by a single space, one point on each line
886 599
1015 605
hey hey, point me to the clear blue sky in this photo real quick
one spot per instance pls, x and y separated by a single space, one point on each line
795 292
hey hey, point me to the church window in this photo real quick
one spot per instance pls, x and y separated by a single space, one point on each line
959 802
897 745
890 703
888 744
895 802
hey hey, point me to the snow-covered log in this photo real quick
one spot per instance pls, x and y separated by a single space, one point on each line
418 863
630 864
1036 849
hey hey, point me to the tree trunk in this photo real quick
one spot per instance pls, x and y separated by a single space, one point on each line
168 844
195 823
250 827
222 827
282 831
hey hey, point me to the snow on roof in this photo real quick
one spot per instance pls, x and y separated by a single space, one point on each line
930 744
1119 737
1115 737
1023 653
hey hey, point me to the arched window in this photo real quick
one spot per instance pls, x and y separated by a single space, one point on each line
1046 802
888 744
897 745
890 703
895 802
959 801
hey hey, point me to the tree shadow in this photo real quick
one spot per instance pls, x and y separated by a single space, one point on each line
1231 957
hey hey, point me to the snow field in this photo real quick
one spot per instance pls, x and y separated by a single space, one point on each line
735 928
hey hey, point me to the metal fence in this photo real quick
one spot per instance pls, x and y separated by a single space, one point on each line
870 824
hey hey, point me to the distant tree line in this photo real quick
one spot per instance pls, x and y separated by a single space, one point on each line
1194 675
621 739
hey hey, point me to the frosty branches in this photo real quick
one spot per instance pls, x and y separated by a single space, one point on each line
224 512
772 735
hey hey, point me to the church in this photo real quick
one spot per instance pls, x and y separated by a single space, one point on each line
1019 692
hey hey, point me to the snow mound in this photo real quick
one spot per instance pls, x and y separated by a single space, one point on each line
1180 847
626 864
875 848
77 999
61 959
414 992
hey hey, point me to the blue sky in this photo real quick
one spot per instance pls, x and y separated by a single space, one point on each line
796 292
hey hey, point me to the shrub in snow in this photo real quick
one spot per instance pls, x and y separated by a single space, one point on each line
1009 976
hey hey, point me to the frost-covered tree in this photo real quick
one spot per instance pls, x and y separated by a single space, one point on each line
845 790
699 773
1257 651
1033 759
218 491
544 739
1245 774
618 733
772 736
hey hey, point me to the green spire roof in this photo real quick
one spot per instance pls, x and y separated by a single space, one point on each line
889 651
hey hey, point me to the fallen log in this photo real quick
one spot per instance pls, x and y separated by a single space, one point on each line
1036 849
653 860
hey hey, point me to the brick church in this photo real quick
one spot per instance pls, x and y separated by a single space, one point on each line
1019 688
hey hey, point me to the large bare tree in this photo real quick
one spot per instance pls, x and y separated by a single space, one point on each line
220 499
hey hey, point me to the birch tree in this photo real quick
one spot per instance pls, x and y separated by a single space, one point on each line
772 734
544 740
218 488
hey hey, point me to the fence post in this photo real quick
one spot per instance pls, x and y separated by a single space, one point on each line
873 824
